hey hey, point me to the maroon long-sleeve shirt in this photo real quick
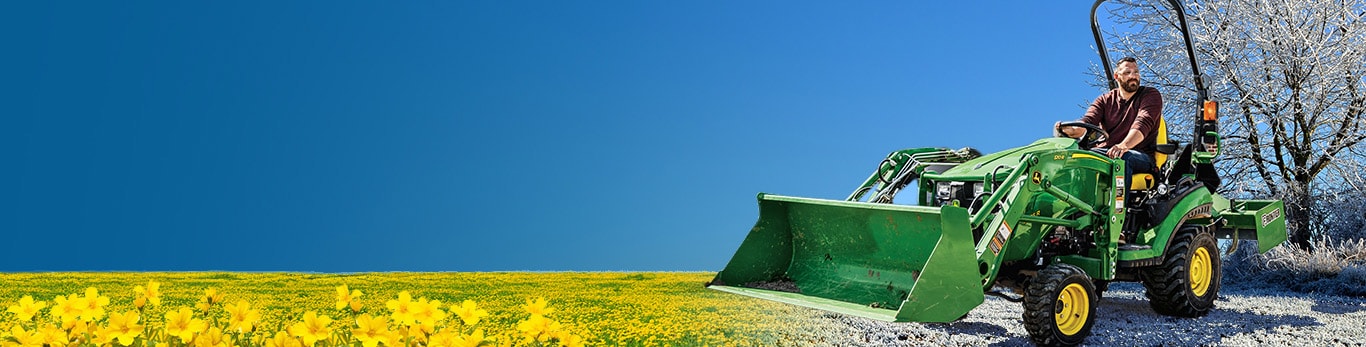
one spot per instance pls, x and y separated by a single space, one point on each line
1118 116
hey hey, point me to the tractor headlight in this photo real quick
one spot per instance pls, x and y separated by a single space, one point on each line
942 190
978 188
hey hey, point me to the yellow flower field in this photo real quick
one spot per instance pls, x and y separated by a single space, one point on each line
387 309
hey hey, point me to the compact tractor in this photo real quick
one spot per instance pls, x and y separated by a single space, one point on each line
1049 224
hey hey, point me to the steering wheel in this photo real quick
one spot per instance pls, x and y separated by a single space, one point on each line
1094 134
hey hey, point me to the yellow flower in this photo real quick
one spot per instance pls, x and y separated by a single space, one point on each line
211 338
400 335
241 318
312 329
372 330
25 339
345 298
182 324
469 312
211 297
27 308
282 339
124 327
424 328
151 293
538 327
93 308
537 307
428 313
54 336
443 338
472 340
75 327
450 338
569 340
401 310
101 336
67 308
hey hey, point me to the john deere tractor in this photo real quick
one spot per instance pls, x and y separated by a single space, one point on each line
1048 224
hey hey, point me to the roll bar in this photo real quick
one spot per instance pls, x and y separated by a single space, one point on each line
1205 138
1185 34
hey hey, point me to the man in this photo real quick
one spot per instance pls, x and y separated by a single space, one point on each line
1129 114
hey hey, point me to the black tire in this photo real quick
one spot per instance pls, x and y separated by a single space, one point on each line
1059 306
1101 287
1187 282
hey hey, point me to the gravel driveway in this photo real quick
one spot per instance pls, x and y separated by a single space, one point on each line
1242 317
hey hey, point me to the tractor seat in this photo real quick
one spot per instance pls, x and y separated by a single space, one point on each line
1142 181
1146 181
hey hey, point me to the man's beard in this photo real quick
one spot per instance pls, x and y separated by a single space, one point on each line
1130 86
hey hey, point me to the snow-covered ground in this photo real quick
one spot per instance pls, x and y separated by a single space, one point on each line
1242 317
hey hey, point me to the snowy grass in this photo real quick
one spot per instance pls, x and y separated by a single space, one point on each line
1241 317
1337 268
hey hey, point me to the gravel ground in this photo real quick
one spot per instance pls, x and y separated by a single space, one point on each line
1241 317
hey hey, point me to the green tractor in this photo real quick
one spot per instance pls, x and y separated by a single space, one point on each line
1048 221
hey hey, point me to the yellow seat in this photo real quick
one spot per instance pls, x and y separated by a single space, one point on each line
1145 181
1142 181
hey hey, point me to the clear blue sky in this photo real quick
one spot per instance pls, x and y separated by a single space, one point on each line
487 135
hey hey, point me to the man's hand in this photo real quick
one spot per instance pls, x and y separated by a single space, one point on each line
1117 150
1062 131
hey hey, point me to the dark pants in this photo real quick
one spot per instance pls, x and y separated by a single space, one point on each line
1134 161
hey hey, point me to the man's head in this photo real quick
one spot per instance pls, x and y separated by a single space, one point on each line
1126 73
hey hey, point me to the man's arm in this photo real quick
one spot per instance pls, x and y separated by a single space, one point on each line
1092 116
1069 131
1134 138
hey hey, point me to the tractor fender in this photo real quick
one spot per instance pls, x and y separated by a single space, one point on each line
1160 208
1194 205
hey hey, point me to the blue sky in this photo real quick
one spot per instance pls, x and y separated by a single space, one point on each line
487 135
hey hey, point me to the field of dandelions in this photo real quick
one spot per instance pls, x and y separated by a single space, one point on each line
386 309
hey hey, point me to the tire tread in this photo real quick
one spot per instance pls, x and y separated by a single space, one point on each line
1040 295
1168 284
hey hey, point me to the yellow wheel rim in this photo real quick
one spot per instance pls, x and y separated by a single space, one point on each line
1071 310
1202 271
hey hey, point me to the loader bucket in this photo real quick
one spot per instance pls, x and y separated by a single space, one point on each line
881 261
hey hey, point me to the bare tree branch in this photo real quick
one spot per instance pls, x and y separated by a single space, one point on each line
1288 73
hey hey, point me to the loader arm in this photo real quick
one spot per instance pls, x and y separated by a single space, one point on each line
1025 204
902 167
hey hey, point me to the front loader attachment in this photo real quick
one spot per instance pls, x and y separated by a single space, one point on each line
887 262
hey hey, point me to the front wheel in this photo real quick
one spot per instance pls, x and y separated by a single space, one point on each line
1060 306
1187 282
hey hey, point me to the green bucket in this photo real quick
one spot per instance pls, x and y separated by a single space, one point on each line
881 261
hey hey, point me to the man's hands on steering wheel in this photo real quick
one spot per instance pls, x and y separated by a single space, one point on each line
1092 136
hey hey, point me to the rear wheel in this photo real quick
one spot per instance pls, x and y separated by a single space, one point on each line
1060 306
1187 282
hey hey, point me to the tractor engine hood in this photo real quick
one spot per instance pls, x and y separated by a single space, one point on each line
1000 163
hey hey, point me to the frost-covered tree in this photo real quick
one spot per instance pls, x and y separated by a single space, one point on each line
1288 75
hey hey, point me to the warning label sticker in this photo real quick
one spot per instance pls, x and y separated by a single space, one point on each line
1119 193
998 240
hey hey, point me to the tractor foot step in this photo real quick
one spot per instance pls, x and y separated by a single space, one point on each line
1134 247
